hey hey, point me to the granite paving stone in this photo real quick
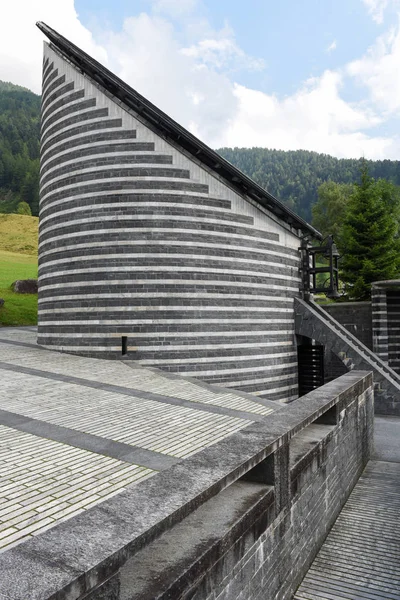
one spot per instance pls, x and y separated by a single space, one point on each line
77 431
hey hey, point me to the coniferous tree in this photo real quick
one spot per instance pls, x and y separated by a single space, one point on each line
23 208
19 147
329 212
294 176
370 237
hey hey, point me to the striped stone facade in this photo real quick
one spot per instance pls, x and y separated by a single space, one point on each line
139 240
385 297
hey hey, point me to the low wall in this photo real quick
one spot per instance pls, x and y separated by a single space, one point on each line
241 520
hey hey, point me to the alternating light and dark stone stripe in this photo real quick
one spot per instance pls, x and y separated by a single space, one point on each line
385 297
136 242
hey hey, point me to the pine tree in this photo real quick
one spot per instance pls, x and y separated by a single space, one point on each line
369 238
329 212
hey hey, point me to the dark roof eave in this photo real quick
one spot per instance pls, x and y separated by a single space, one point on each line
170 128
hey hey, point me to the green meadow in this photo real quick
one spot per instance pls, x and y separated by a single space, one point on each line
18 260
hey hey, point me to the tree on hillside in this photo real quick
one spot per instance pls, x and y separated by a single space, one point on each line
294 176
24 209
329 212
370 236
19 146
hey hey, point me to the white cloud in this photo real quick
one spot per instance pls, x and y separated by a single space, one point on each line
378 71
194 84
175 8
221 51
332 46
315 118
189 69
21 41
146 54
376 9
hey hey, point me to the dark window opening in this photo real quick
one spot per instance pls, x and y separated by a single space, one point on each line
124 341
311 367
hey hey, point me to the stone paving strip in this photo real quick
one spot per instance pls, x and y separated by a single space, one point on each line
44 482
115 373
126 452
117 389
174 430
75 431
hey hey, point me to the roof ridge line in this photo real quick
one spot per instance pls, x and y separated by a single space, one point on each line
171 129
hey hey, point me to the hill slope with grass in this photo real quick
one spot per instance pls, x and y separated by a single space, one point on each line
18 260
19 234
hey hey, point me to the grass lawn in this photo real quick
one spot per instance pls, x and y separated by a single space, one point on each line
18 309
18 260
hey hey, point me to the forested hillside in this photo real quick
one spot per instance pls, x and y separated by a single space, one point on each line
19 147
294 176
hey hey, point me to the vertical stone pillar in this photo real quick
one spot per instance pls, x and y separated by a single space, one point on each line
380 336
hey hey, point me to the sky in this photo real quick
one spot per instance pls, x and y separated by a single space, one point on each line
320 75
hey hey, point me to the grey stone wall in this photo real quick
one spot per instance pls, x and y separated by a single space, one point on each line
242 519
258 543
320 483
315 323
386 321
393 329
356 317
333 366
380 322
139 241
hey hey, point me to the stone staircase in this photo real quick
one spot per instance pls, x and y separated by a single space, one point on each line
314 322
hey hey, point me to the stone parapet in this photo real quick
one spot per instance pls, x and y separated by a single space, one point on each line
242 519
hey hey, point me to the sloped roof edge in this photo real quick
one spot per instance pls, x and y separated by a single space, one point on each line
175 132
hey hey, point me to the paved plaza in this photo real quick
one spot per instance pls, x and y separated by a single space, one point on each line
76 431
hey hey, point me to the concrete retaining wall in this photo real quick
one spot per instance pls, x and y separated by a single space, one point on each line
356 317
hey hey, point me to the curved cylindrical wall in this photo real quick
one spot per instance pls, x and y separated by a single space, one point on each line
138 241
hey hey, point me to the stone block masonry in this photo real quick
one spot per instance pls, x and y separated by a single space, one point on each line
241 520
386 321
315 323
356 317
145 255
255 541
